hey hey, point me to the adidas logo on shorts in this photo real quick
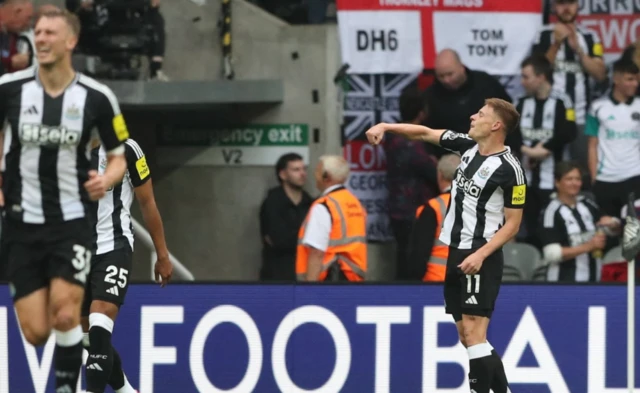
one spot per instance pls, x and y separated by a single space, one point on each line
64 389
471 300
94 366
114 291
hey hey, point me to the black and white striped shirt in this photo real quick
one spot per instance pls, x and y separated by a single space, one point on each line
552 122
569 76
112 214
483 187
570 227
47 144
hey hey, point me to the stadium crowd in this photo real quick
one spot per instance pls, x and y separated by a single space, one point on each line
580 151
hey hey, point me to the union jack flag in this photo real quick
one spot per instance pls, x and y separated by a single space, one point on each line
371 99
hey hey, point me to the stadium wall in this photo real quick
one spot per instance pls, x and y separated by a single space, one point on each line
352 338
211 213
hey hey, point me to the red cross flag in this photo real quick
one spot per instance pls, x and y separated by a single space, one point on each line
403 36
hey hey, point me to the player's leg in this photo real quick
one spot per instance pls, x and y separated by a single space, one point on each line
479 294
68 268
109 284
28 282
453 289
100 361
33 316
65 299
118 380
481 370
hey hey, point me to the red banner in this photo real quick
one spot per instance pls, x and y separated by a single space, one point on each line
617 23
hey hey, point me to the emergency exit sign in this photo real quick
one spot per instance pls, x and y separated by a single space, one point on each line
255 144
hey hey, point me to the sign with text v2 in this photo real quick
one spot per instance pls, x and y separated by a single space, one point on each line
254 144
398 36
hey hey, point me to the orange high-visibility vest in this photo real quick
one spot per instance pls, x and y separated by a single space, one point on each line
437 264
347 240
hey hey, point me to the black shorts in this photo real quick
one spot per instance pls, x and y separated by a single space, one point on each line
472 294
109 278
36 253
611 197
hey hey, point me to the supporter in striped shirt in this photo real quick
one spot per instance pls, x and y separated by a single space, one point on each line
576 54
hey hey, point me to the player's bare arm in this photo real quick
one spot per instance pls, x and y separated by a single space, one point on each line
473 263
97 185
153 222
410 131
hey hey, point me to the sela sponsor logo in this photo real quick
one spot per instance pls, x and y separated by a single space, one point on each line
576 239
39 134
468 186
536 134
570 67
631 134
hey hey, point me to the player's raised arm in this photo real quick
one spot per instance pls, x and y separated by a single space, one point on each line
410 131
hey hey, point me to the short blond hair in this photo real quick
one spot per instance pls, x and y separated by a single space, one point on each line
70 18
335 167
506 112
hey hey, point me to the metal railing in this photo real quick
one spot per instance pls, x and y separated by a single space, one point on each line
179 270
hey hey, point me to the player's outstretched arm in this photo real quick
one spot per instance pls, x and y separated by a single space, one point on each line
410 131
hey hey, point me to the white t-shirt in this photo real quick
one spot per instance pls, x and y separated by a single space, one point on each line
617 126
318 228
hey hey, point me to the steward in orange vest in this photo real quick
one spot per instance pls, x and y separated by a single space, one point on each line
340 254
427 228
427 254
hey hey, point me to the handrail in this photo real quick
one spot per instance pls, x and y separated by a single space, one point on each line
179 270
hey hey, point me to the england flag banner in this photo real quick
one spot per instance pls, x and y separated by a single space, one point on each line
403 36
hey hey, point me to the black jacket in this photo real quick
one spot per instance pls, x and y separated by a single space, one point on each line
451 110
280 221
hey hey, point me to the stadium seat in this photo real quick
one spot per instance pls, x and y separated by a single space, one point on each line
614 255
523 257
540 273
511 273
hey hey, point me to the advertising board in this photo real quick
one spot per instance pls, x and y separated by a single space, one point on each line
343 338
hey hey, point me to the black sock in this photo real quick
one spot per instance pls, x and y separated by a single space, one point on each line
67 359
500 383
116 381
100 360
154 67
482 366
